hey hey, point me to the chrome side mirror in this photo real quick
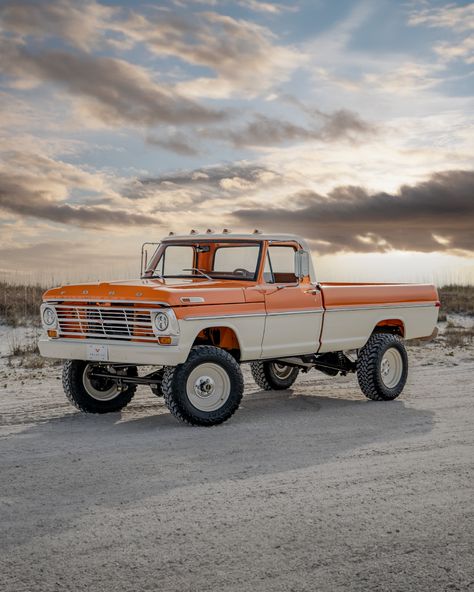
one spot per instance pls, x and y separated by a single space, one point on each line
301 264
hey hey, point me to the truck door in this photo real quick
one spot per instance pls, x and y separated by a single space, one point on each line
294 310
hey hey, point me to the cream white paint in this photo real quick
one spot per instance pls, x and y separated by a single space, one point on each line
350 328
292 333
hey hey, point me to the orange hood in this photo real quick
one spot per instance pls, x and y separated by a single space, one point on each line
168 291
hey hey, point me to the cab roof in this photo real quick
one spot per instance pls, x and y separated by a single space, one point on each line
229 236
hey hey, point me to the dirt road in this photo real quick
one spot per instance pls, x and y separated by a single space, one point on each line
307 490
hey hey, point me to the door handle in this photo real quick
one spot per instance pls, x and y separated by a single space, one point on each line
312 291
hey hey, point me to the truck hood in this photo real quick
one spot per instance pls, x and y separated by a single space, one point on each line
172 292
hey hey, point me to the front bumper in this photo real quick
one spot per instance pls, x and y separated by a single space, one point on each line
118 353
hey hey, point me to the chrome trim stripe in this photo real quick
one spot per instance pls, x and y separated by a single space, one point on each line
110 300
309 311
381 306
293 312
259 314
231 316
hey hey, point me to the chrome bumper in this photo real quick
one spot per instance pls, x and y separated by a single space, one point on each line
119 353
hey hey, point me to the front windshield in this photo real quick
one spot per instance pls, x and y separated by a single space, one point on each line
209 260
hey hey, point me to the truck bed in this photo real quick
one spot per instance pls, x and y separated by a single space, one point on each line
354 310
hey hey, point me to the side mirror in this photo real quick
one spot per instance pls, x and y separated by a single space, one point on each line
301 264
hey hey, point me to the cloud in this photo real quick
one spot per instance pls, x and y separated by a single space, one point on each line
108 89
213 176
207 189
81 24
266 7
40 187
269 131
243 54
434 215
19 199
458 19
449 16
464 50
176 142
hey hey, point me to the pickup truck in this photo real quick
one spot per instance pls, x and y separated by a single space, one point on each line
207 303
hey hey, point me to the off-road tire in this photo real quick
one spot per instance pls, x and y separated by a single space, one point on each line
175 392
264 375
72 377
369 367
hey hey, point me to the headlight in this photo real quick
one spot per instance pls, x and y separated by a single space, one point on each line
161 322
165 322
49 316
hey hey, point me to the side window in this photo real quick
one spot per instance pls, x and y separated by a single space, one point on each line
282 259
175 259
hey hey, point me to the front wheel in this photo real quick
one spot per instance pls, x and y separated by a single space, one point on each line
273 375
206 390
95 395
382 367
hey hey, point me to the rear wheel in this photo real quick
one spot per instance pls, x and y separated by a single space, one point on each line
273 375
207 389
382 367
95 395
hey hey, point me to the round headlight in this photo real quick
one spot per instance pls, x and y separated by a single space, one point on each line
161 321
49 316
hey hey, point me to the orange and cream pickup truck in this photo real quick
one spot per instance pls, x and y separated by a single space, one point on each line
205 304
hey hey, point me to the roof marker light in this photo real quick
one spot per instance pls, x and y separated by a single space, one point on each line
256 231
209 231
193 231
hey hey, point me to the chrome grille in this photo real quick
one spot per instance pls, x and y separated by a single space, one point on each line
109 322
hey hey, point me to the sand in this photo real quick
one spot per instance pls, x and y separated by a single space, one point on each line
311 489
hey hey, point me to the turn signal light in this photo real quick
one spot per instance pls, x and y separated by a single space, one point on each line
164 340
52 333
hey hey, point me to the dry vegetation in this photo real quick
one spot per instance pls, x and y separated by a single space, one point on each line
20 303
457 299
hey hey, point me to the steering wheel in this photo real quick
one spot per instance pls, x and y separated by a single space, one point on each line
240 271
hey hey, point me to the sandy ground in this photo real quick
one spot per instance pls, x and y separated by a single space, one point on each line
311 489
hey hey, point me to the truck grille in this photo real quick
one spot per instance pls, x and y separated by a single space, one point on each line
109 322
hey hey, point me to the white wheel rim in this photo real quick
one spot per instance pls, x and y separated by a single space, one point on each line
282 371
99 395
208 387
391 368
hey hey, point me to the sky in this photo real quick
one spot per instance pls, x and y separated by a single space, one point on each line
348 122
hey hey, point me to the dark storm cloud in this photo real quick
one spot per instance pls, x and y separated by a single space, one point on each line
109 89
435 215
269 131
211 181
19 199
177 143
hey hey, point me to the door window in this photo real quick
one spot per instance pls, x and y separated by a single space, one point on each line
282 264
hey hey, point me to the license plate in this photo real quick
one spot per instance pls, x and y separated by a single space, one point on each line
97 353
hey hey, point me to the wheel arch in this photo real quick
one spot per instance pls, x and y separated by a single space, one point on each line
393 326
220 335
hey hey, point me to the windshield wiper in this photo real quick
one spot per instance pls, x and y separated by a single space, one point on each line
199 271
